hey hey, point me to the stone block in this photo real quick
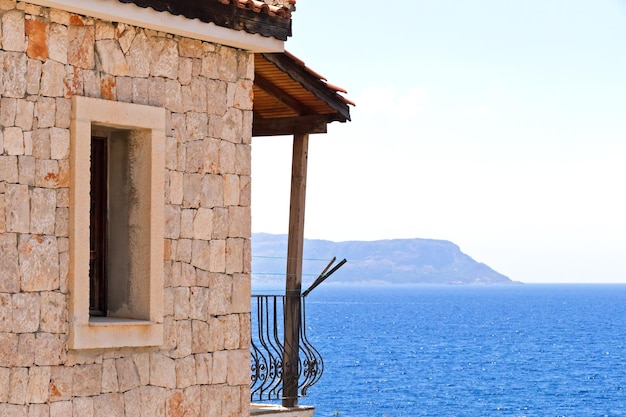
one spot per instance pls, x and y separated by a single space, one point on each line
231 189
142 364
172 221
244 331
228 156
109 376
226 63
138 56
173 99
17 386
192 185
110 58
26 312
8 109
220 223
17 208
183 250
156 91
185 372
13 141
13 410
92 83
239 222
243 160
195 156
230 324
25 350
52 76
14 74
162 371
232 125
181 303
42 211
234 255
187 275
107 405
211 400
200 338
217 256
24 116
6 313
37 390
212 191
8 349
185 71
127 374
59 143
51 349
82 406
203 224
216 97
204 365
8 169
57 42
80 52
39 263
54 310
13 31
219 373
5 374
39 410
41 143
61 409
241 291
186 223
33 76
190 48
164 58
238 367
62 222
199 303
37 32
245 191
221 286
124 89
60 383
87 380
183 339
26 167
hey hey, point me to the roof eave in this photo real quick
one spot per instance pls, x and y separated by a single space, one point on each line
176 24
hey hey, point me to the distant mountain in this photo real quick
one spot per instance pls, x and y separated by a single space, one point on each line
395 261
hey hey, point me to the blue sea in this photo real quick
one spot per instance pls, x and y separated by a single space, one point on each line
519 350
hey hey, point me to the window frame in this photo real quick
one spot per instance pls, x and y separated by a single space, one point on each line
90 332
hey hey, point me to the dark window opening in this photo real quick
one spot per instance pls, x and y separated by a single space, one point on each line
98 228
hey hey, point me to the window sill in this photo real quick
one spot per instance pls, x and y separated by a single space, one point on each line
108 332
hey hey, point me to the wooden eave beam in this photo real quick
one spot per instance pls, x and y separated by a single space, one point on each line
224 15
308 81
281 95
298 125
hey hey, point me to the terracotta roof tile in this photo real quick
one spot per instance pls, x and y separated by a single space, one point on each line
259 6
321 78
266 17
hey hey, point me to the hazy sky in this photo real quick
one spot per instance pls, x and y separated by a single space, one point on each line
498 125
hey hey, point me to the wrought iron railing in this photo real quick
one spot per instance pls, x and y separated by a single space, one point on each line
268 350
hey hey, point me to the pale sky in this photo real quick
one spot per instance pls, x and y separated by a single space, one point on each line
499 125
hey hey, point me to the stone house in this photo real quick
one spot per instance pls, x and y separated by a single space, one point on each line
126 124
125 138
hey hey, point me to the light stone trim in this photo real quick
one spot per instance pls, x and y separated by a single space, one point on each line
166 22
86 333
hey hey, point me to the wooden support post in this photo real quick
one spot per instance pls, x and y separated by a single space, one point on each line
293 288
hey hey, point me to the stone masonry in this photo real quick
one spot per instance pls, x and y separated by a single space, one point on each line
202 369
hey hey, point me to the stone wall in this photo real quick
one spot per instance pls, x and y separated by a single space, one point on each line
203 367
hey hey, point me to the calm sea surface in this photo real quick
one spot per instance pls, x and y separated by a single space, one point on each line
524 350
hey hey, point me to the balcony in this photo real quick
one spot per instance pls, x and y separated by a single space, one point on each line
281 372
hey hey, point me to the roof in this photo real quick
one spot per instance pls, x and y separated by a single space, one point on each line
291 98
252 16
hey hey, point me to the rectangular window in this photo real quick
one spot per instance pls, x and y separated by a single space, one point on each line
117 164
98 228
